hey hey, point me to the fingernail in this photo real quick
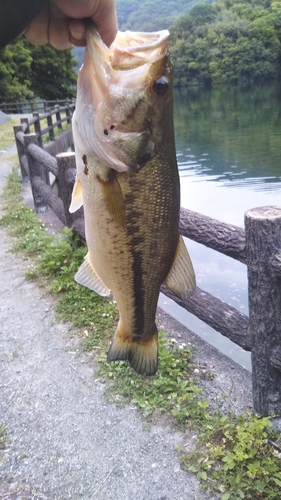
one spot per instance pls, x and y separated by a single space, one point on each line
77 29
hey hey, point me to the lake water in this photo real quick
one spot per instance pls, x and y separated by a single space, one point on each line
228 148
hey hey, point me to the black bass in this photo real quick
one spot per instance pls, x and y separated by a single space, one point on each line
128 181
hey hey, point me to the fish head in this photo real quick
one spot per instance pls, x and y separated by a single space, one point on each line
124 98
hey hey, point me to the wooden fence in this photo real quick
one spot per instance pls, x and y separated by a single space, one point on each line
39 106
258 247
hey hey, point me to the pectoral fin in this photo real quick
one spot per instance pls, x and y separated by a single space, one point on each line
114 199
87 276
77 196
181 278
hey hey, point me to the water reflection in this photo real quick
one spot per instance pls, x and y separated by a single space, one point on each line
228 149
189 165
230 132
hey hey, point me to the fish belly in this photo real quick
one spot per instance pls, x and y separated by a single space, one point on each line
133 261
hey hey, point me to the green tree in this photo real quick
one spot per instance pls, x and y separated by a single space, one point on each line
28 71
52 73
150 14
228 41
15 72
203 13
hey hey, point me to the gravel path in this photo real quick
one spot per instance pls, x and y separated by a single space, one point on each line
64 439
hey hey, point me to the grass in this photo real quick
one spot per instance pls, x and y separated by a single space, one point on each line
3 438
7 137
57 130
238 457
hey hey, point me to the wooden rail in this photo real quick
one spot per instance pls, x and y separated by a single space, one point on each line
39 106
258 247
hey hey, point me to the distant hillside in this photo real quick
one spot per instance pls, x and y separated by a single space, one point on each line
151 15
230 41
78 54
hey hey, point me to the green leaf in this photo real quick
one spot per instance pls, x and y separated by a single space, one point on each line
277 481
192 468
225 496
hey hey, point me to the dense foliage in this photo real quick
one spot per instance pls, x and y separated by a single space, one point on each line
150 15
28 71
230 41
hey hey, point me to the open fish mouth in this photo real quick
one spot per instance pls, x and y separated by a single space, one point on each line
113 84
130 50
127 62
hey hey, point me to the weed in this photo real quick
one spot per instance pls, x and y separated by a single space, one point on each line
235 456
3 437
172 389
7 137
57 130
55 260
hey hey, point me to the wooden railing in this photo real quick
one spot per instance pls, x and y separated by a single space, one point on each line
54 119
258 247
39 106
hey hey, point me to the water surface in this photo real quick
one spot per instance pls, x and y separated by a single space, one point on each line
228 149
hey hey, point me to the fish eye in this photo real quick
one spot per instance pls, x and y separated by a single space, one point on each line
160 86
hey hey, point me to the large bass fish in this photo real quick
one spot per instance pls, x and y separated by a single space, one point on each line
127 180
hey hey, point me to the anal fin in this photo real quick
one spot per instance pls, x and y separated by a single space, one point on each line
114 199
141 352
87 276
77 196
181 278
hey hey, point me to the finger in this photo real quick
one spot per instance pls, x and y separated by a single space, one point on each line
105 19
37 31
77 32
59 35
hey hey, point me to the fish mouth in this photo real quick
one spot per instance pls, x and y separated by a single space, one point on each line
134 60
130 58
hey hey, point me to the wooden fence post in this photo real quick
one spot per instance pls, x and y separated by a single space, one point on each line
37 128
21 153
25 124
58 116
50 124
35 170
67 111
67 168
263 242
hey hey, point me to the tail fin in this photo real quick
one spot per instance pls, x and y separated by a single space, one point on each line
142 352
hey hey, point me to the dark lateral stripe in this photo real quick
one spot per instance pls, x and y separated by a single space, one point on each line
138 286
134 242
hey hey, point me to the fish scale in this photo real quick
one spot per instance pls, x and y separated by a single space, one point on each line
128 182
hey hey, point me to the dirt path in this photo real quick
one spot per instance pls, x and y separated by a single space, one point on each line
64 440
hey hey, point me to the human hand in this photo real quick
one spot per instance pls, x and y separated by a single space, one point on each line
61 23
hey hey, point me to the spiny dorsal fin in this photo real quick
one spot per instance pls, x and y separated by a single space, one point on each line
181 278
77 196
114 199
87 276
